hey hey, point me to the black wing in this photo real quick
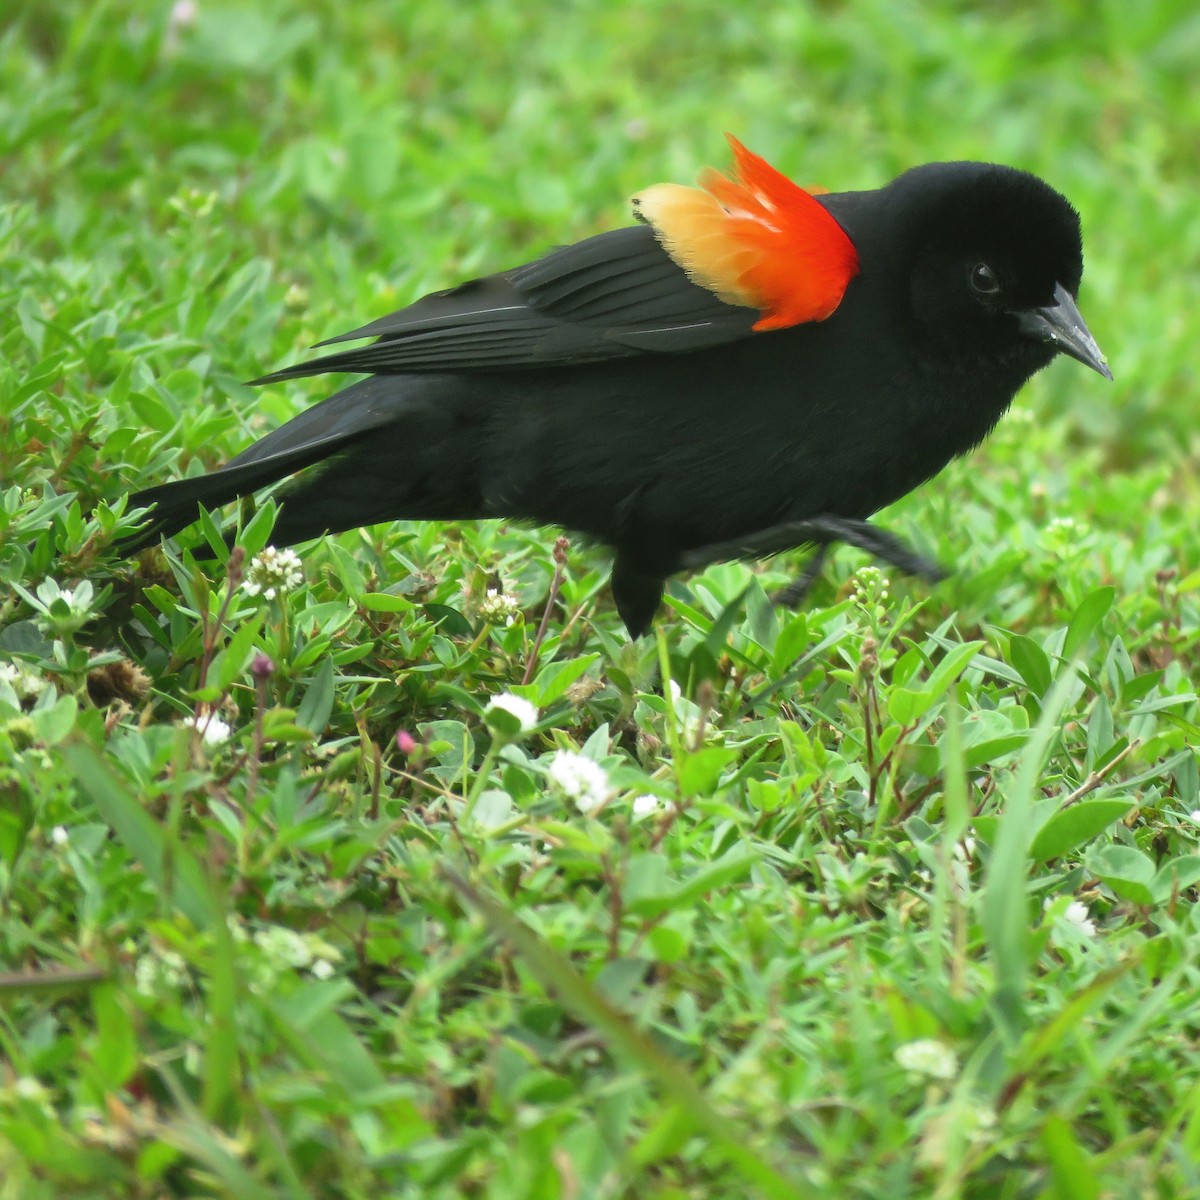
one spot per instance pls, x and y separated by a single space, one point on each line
609 296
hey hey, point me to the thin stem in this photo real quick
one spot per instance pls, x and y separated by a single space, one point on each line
561 547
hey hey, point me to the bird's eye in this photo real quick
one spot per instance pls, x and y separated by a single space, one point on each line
983 280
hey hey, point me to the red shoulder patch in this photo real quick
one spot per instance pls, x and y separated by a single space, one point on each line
760 240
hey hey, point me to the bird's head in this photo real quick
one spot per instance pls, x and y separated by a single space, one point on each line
992 263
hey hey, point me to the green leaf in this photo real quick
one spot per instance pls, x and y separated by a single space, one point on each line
790 644
166 864
1175 876
493 809
448 620
115 1053
316 706
320 1038
54 722
1005 909
16 820
1074 827
647 881
950 668
697 772
1070 1164
1031 662
229 664
651 892
256 534
1127 872
905 706
954 796
1084 621
385 602
555 678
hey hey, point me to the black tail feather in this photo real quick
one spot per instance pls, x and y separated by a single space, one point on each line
176 505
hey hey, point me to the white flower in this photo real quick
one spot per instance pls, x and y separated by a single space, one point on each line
28 1087
284 947
62 611
961 1123
1074 914
183 14
212 729
498 608
273 572
964 851
579 778
193 1060
1194 815
1064 535
58 835
159 969
516 706
871 586
644 805
927 1056
1077 914
295 298
25 682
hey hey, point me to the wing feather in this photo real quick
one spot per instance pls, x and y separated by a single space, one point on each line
581 303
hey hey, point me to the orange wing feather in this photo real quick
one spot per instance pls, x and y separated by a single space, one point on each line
759 240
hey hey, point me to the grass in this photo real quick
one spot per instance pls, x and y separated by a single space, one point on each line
911 910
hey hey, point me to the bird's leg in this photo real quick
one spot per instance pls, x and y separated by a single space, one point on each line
882 544
797 591
821 531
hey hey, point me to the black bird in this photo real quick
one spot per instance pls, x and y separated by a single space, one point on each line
752 368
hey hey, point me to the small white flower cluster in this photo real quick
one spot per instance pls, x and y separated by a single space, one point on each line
871 586
26 682
212 729
1075 915
159 970
964 851
963 1121
1066 527
644 805
286 948
928 1056
193 203
28 1089
1064 535
273 572
295 299
516 706
498 608
579 778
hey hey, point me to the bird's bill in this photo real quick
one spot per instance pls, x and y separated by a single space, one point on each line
1060 324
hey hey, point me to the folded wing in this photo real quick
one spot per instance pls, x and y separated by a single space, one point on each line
609 296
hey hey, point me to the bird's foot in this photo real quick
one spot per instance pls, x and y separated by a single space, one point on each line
821 531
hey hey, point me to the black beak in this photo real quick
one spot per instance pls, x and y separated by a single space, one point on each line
1061 324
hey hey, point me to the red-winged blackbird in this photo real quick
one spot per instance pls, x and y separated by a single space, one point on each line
752 368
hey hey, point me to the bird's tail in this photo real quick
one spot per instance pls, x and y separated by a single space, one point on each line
313 436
